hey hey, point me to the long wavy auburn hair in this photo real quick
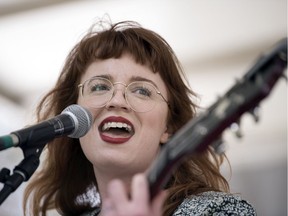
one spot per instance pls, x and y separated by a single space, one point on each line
66 175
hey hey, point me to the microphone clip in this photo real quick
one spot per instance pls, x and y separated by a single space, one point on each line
22 172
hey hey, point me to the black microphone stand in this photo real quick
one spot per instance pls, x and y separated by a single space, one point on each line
22 172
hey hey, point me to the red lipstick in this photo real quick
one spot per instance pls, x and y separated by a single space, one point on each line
116 130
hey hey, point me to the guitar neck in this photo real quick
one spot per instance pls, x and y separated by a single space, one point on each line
203 130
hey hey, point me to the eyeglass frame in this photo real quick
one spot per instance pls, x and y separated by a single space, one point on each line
81 88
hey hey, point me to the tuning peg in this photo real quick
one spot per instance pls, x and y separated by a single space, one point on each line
219 146
255 113
285 77
283 55
235 128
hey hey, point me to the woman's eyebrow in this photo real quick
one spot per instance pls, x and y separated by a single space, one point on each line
139 78
106 76
132 79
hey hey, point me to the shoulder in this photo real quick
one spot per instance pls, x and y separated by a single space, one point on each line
216 203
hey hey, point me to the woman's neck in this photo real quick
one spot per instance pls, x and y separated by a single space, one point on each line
104 178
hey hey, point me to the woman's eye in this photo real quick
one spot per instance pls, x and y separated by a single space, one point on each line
97 88
142 91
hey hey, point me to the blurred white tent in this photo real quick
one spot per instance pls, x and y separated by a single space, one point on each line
216 41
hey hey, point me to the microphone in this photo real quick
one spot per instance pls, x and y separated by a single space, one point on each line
74 121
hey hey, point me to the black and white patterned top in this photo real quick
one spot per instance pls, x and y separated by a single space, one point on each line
209 204
216 204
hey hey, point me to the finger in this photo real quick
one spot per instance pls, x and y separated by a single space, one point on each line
139 193
158 201
117 193
108 208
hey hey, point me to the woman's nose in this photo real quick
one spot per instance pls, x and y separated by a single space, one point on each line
118 100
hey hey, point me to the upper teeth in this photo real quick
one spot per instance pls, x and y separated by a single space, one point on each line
109 125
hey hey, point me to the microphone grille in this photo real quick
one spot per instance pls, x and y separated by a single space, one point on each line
82 119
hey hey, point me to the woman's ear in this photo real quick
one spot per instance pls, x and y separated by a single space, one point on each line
165 136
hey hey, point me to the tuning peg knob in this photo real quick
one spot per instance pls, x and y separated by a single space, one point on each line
255 113
219 146
235 128
285 77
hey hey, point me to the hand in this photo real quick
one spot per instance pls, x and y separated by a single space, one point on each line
119 204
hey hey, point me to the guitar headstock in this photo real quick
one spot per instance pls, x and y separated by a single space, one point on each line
251 89
207 128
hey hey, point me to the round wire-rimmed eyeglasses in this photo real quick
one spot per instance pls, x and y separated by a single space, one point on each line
141 96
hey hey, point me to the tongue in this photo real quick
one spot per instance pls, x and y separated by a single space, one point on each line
117 132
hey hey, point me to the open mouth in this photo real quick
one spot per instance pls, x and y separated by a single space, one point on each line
116 130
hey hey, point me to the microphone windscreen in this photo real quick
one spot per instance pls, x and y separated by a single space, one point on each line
82 119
